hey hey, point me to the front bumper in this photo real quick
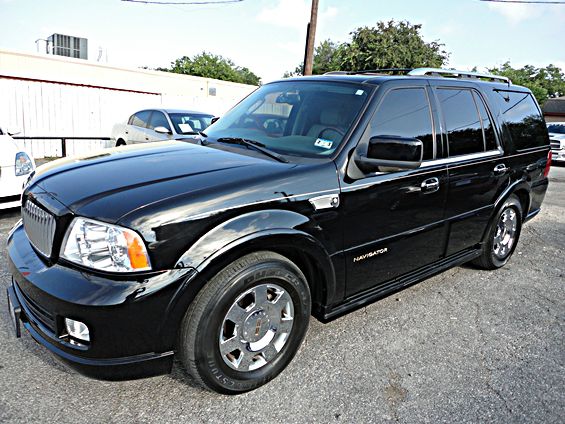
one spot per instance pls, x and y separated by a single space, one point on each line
127 318
11 187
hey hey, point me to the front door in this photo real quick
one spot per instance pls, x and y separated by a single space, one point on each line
393 220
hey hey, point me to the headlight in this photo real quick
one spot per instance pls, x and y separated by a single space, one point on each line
24 165
105 247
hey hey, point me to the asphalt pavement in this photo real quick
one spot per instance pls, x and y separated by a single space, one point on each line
465 346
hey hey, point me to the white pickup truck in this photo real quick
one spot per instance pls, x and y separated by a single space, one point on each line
15 166
159 124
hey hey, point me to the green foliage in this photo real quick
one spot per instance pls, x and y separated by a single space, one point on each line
545 82
388 45
391 45
209 65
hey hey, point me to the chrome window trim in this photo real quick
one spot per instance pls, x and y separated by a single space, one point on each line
463 158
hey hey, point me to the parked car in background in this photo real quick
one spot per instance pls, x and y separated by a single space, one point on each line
557 139
159 124
15 166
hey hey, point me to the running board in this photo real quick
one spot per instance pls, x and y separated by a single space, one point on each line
382 290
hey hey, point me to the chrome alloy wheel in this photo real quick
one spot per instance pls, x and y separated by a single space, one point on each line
256 327
505 233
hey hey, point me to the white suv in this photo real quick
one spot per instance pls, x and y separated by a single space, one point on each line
15 166
557 138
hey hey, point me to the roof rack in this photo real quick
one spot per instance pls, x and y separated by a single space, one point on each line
438 72
371 71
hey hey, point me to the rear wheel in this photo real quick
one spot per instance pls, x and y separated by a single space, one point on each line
503 235
246 324
120 142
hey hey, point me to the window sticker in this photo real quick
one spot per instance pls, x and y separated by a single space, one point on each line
325 144
359 92
185 128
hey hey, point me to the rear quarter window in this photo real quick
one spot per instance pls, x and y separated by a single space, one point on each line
523 120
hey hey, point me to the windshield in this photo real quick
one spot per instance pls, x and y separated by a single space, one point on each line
190 122
556 128
305 118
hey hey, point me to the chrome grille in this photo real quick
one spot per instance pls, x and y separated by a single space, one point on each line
39 226
555 145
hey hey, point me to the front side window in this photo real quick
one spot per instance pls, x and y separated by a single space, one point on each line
140 119
462 121
158 119
406 113
303 118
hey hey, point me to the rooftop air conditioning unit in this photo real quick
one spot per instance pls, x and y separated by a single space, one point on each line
67 45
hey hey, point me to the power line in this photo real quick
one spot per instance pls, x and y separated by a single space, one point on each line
525 1
184 2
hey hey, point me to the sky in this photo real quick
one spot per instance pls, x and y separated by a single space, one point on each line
267 36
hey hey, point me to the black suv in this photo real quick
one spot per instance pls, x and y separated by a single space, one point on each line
313 196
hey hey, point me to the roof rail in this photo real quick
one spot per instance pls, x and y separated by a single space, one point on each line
438 72
370 71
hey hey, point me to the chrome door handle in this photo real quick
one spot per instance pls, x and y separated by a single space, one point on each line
500 169
431 185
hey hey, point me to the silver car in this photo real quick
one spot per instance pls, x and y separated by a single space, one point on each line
159 124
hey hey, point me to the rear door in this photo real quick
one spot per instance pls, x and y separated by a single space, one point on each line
393 220
478 172
137 127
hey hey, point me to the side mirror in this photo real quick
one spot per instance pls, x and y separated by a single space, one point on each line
391 152
214 119
162 130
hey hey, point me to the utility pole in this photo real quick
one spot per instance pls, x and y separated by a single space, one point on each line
310 38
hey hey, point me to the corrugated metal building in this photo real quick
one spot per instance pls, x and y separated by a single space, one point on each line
53 96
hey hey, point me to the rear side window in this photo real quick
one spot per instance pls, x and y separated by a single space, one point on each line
405 112
140 119
523 120
462 120
488 130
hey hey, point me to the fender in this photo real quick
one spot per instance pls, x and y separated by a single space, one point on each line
229 240
520 184
236 228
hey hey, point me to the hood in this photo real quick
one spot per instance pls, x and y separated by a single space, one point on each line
118 181
8 150
557 136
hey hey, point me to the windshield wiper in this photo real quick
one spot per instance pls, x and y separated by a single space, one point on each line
254 145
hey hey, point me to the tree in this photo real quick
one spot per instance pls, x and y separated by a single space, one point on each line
545 82
388 45
326 59
209 65
391 45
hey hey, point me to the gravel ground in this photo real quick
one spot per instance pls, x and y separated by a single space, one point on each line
465 346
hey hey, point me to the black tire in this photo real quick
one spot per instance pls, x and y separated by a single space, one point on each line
205 322
120 142
489 258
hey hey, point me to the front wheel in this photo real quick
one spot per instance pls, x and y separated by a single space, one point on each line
246 324
503 235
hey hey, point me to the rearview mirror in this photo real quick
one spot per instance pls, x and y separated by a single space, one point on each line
391 152
288 98
162 130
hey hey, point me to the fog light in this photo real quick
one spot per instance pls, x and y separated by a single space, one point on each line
77 329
